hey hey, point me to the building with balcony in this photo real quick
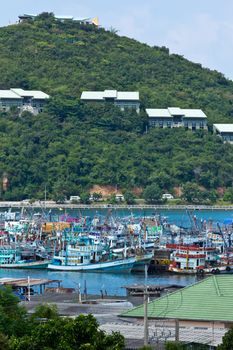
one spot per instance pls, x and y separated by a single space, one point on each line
225 131
32 101
174 117
121 99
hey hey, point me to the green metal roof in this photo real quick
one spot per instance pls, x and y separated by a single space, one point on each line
210 300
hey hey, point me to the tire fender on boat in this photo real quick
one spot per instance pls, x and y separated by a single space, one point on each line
213 271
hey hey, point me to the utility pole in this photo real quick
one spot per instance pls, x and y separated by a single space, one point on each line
177 330
29 291
146 333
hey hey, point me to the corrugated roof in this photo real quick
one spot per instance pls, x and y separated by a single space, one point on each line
118 95
153 112
209 300
223 127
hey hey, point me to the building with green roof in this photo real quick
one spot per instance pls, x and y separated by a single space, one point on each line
207 303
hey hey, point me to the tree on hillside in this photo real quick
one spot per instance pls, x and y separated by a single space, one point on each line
129 197
152 194
228 195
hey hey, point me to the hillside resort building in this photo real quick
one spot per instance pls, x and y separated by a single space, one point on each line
31 101
31 17
225 131
174 117
122 99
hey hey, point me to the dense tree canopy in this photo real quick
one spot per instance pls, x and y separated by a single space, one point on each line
72 146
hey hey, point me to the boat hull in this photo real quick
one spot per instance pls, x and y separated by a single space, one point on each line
212 270
115 266
139 265
27 265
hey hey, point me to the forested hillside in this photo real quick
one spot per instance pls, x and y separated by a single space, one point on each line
72 146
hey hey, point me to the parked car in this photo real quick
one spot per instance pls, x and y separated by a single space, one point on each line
167 196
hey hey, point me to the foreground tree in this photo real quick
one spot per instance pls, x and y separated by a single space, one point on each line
67 334
227 341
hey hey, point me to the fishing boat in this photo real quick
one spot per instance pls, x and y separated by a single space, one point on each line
84 255
142 261
193 259
11 258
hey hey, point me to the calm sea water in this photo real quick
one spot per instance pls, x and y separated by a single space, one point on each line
113 283
95 282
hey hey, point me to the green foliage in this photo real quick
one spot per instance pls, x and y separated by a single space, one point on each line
96 196
45 311
84 198
13 318
68 334
73 145
193 194
174 346
227 341
129 197
152 194
112 199
228 195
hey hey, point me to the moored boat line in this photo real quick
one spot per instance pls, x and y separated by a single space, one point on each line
106 243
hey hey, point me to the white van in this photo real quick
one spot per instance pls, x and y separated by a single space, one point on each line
167 196
74 198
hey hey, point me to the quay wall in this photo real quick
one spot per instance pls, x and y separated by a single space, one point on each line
50 205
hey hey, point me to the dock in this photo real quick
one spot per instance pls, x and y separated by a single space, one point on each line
25 283
152 290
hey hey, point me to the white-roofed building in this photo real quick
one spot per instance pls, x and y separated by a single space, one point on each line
24 100
173 117
61 18
225 131
122 99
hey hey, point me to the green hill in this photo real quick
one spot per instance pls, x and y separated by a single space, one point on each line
72 146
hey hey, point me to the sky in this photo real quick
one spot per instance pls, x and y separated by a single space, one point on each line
199 30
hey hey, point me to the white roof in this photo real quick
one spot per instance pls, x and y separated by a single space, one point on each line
173 111
30 93
194 113
92 95
153 112
117 95
110 94
223 127
128 95
64 17
8 94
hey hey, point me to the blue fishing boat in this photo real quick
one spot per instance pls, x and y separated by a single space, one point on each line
86 256
11 258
